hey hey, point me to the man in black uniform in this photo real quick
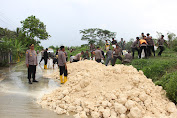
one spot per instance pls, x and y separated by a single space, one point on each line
45 58
31 63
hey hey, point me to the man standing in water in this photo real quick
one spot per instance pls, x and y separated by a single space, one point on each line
31 63
62 64
45 58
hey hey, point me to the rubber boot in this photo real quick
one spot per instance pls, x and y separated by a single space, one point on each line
45 66
65 79
61 79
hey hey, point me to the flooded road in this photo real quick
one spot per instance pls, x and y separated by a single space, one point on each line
18 98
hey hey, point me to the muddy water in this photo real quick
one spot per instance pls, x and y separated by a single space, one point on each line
18 98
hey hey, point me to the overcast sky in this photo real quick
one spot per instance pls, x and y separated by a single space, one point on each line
64 18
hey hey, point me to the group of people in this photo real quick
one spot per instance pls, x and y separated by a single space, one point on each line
145 43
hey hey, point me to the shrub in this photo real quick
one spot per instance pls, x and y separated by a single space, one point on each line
169 83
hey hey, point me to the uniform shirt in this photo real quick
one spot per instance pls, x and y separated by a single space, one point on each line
77 57
114 42
128 57
117 52
98 54
31 57
134 44
109 53
161 42
150 41
61 58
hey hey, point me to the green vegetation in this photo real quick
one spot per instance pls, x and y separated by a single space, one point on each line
15 43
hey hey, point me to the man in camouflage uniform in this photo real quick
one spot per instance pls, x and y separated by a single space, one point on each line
31 63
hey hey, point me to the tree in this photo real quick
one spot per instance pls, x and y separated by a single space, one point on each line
171 37
93 35
34 30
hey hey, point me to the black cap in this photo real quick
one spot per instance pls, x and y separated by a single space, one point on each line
46 48
148 34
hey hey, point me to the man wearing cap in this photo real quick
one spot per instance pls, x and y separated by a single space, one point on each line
98 55
62 64
117 54
31 63
150 45
135 47
45 58
161 42
143 45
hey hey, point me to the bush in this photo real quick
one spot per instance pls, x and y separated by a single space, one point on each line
171 88
169 83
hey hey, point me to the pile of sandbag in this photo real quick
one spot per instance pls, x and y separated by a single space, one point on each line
98 91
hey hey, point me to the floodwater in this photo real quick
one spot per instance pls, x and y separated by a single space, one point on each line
18 99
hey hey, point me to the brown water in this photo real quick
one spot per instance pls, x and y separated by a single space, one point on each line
18 98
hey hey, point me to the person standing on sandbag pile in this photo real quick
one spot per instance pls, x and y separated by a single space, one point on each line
98 55
150 45
143 45
134 47
161 42
117 54
45 58
62 64
31 63
109 55
78 57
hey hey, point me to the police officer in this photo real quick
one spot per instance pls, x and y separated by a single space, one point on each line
31 63
62 64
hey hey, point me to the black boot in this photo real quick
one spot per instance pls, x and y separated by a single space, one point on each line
35 80
30 81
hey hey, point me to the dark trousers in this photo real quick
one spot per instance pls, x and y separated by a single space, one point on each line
115 58
133 51
98 60
149 49
41 59
145 51
161 50
63 70
32 71
75 60
45 61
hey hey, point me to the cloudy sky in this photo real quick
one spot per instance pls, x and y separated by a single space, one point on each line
64 18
